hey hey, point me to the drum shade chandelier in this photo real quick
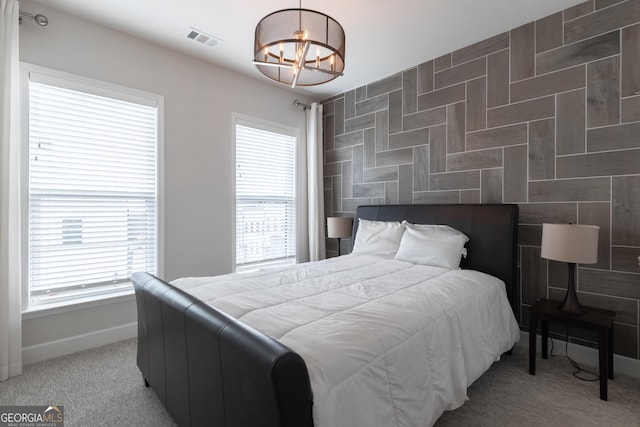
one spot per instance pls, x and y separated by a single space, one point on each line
299 47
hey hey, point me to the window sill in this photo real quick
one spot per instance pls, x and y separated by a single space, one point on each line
78 304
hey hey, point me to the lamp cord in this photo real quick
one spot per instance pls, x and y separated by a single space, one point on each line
579 369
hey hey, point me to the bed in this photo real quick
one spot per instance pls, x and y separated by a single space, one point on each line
220 356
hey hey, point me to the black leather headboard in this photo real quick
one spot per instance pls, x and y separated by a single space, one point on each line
492 230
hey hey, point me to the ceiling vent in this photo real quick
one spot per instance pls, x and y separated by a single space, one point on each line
202 37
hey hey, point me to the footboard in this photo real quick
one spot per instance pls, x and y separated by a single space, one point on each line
208 368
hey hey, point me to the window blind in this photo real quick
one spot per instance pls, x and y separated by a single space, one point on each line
265 197
92 191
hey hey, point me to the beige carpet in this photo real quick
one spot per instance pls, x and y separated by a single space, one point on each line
103 387
507 395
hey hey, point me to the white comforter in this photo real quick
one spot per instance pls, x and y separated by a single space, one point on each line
386 342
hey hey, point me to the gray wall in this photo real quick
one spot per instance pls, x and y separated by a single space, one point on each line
199 100
546 116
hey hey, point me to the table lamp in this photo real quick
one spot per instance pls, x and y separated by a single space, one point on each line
339 227
573 244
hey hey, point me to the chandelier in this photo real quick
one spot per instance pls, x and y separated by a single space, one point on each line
299 47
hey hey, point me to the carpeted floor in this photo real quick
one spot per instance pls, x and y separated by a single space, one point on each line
103 387
507 395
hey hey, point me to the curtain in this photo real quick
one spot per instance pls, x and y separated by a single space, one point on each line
315 192
10 316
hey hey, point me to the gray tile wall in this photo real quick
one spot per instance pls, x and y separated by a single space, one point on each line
546 115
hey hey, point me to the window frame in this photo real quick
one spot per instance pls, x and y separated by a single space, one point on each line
248 121
100 88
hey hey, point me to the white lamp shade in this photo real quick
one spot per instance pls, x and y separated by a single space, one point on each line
574 243
339 227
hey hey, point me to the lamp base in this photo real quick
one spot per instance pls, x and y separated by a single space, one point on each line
570 304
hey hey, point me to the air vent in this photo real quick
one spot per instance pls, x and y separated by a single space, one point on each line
203 38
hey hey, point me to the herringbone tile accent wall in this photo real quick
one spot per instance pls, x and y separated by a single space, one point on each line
546 115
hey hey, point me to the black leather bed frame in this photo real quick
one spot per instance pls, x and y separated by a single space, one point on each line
492 230
210 369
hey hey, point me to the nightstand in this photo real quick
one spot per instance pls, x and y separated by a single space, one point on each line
593 319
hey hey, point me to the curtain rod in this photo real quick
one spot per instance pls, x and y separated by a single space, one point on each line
38 19
297 103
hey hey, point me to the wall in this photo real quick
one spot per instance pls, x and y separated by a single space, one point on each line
546 115
199 99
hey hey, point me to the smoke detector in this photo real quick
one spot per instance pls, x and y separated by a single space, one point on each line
202 37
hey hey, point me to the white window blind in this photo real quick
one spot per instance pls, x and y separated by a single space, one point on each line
92 192
265 197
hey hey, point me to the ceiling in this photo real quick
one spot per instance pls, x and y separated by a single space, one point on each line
382 36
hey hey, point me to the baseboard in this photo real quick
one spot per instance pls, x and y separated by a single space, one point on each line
63 347
587 356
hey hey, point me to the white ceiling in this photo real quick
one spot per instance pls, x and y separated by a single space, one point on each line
382 36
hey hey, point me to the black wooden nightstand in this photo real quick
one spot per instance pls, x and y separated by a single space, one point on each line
593 319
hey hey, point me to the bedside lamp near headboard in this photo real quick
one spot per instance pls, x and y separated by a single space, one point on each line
573 244
339 227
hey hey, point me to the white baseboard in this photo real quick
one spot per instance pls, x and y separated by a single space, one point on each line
63 347
586 355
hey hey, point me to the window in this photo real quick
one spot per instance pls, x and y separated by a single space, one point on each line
93 187
265 195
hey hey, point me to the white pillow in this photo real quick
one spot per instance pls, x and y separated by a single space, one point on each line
437 245
378 237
